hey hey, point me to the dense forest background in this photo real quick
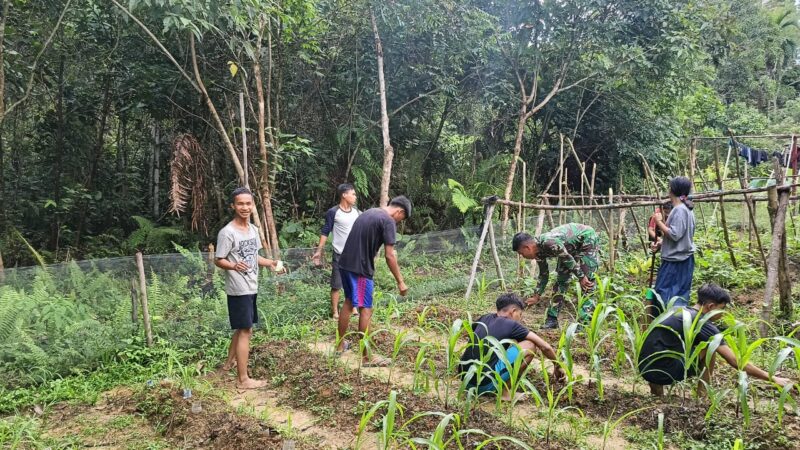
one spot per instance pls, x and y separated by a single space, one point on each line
100 100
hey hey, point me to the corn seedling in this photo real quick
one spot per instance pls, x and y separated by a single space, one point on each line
497 439
660 436
551 400
452 356
517 375
737 342
564 351
715 397
389 434
609 426
423 368
636 337
365 345
595 335
401 339
440 438
422 316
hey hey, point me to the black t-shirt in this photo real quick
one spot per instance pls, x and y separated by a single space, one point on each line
373 228
660 368
497 327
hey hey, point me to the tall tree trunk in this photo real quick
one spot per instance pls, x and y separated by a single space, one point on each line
55 220
201 88
388 151
6 4
156 169
264 174
96 156
523 117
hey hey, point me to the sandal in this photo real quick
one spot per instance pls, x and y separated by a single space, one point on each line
378 361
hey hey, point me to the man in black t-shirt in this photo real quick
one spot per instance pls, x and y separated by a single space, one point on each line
374 228
661 359
503 325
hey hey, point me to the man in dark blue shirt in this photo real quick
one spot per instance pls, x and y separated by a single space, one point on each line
661 362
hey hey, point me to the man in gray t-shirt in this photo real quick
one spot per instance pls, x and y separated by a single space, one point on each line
338 220
237 253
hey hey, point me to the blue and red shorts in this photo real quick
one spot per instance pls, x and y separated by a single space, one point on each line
357 288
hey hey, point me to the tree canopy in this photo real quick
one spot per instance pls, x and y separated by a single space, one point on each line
98 98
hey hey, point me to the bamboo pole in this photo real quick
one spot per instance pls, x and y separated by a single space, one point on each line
710 197
148 330
692 159
722 210
495 256
611 237
473 271
751 214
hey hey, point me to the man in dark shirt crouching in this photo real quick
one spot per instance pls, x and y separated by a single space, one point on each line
517 341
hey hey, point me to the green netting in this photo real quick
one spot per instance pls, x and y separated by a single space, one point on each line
71 317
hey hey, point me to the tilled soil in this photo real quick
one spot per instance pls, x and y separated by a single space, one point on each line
312 381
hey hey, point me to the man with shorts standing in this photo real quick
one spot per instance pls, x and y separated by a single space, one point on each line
237 253
576 249
374 228
338 220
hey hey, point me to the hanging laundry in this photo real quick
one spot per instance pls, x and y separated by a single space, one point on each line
753 156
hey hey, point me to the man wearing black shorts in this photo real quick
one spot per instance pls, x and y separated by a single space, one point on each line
237 253
374 228
338 220
661 362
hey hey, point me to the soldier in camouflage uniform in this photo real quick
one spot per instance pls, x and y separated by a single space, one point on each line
577 249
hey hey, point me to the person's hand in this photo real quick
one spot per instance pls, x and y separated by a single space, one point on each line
655 246
586 283
277 266
241 266
402 288
533 299
558 374
658 217
780 381
316 259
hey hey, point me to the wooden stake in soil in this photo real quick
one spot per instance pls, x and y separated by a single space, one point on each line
611 241
495 256
784 283
487 221
134 301
723 222
749 204
148 331
692 159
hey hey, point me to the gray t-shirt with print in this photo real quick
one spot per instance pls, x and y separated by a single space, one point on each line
237 245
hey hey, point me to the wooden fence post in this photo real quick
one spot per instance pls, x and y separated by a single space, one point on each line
486 224
722 209
148 331
777 254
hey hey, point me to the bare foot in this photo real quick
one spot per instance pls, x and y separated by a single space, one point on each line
251 384
657 390
227 367
336 316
